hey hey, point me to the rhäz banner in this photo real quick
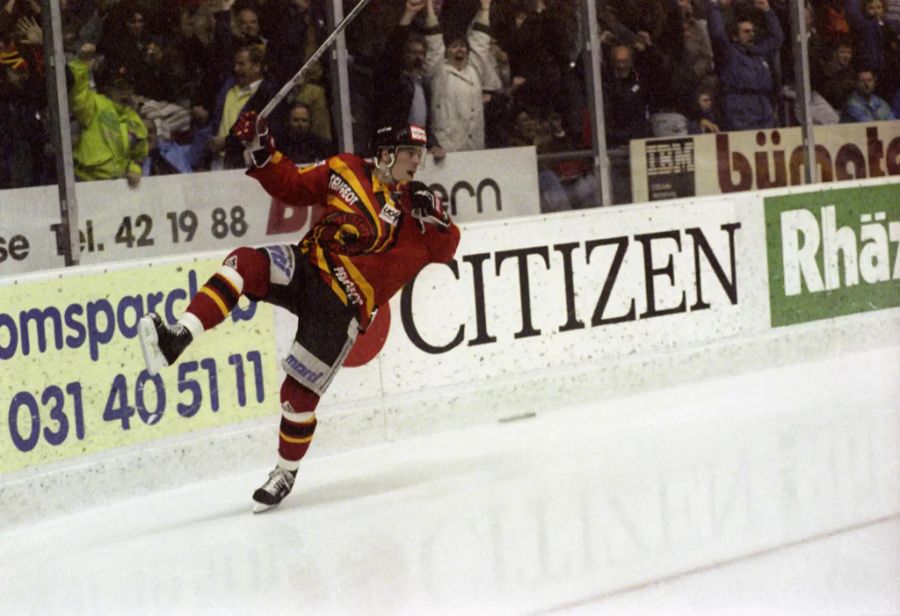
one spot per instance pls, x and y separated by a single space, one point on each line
833 252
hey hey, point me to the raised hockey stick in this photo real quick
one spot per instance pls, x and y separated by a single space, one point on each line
298 77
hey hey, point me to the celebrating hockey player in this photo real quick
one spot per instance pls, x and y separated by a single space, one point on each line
379 229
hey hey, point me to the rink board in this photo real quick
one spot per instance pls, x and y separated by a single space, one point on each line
532 313
190 213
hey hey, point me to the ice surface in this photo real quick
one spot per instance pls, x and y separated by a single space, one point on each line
770 493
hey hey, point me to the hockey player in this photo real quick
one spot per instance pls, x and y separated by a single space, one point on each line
379 229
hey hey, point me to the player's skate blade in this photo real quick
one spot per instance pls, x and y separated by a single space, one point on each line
153 355
273 491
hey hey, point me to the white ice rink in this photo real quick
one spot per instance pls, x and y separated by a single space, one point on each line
776 492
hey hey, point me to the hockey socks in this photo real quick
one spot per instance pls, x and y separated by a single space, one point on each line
298 423
245 270
217 297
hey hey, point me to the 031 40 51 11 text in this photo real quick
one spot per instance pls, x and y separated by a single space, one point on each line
58 413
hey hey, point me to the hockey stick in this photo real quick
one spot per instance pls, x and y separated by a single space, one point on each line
298 77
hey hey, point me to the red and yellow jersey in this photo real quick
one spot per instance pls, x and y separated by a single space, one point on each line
367 245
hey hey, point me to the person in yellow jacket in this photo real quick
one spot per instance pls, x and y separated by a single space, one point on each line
113 141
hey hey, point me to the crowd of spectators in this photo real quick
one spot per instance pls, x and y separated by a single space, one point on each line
155 85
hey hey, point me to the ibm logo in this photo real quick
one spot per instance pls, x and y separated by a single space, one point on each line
669 157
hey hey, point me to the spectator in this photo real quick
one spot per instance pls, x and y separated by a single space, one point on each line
624 100
299 142
876 41
864 105
698 54
188 58
232 32
403 66
113 141
836 79
246 90
458 79
528 129
539 37
744 67
156 162
704 117
22 130
173 141
13 11
295 31
499 103
124 38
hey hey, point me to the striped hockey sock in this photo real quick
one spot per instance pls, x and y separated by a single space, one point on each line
298 423
217 297
294 438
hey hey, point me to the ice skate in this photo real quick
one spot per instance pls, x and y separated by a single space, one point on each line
274 489
161 343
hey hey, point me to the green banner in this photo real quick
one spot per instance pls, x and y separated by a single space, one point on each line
832 253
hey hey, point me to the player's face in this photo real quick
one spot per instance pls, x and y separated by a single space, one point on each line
406 162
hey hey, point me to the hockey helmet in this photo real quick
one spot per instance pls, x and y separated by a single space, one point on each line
394 137
399 135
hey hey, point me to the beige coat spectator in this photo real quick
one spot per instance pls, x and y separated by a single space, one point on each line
458 80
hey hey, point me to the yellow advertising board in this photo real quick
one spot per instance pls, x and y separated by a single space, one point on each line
72 378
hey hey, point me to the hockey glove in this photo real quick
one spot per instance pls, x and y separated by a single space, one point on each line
259 145
427 207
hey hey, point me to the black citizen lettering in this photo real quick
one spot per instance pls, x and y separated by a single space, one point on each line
728 285
477 263
572 320
651 272
611 276
524 285
409 325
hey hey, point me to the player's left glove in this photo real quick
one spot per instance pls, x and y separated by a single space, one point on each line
427 207
259 145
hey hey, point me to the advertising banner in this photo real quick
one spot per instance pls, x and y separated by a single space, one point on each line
722 163
833 252
72 381
220 210
572 289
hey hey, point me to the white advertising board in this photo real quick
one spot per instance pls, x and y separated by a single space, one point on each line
532 294
221 210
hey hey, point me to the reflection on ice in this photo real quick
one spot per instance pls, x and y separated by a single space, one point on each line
564 510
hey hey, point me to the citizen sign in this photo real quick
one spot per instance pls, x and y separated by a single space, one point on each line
658 253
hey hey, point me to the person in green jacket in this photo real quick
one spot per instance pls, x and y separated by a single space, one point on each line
113 141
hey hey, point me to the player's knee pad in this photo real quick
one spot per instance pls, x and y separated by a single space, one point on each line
297 399
252 266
